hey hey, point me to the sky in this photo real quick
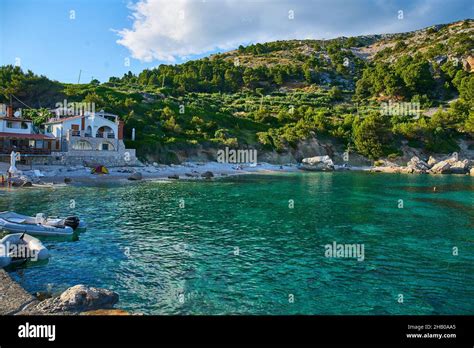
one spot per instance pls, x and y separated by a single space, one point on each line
78 40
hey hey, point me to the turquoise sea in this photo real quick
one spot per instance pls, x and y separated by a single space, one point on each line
239 246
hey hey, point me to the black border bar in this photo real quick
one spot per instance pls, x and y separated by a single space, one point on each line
195 330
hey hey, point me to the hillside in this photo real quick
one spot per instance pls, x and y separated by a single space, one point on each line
281 95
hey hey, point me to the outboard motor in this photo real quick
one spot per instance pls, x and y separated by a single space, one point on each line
72 221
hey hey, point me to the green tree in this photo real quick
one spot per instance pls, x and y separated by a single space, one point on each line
370 135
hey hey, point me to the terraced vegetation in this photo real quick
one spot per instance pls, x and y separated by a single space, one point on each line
274 95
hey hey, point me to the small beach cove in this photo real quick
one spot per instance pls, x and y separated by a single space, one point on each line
234 245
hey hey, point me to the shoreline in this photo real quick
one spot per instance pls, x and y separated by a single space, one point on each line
62 175
14 299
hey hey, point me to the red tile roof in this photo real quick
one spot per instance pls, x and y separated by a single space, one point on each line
26 136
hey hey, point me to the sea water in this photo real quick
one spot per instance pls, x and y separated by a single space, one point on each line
257 244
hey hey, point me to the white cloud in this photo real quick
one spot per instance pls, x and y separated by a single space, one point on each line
172 30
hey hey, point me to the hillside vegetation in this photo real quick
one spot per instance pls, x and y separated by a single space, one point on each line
271 96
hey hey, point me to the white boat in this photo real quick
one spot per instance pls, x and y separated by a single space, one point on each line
18 248
12 222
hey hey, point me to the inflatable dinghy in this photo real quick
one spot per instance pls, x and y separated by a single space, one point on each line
39 226
18 248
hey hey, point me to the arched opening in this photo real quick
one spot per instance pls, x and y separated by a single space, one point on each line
105 132
82 145
105 146
88 132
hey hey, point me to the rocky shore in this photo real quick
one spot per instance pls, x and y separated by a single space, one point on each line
48 176
77 300
451 164
51 176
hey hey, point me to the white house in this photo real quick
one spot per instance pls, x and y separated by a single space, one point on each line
91 137
93 131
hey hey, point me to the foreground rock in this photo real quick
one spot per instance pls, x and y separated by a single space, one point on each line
135 176
317 163
79 299
106 312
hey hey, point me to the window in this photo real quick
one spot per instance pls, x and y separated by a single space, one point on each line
24 125
9 124
105 146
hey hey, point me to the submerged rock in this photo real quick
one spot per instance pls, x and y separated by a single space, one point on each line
174 176
79 298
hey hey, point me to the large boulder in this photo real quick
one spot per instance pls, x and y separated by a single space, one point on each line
416 165
471 172
450 166
79 298
459 167
432 161
442 167
317 163
135 176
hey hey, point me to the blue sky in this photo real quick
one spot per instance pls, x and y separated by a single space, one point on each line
105 34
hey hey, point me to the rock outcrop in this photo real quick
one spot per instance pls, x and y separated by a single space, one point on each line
317 163
446 165
416 165
450 165
78 299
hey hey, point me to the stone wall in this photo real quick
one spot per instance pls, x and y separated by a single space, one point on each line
115 158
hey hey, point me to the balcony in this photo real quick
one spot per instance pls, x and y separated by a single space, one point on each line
105 135
79 134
